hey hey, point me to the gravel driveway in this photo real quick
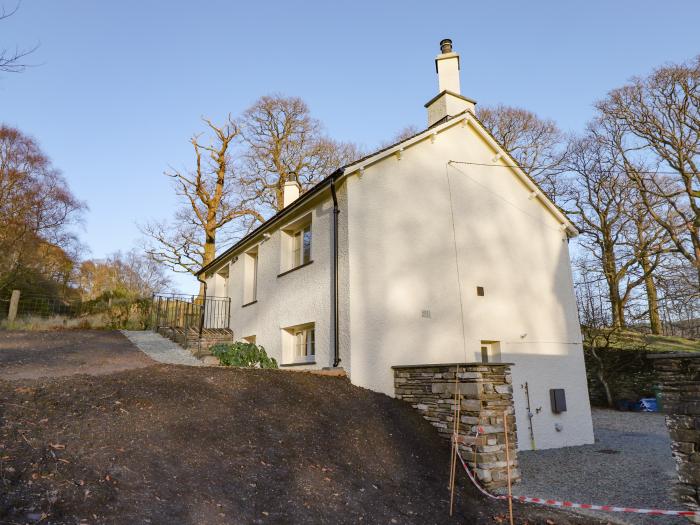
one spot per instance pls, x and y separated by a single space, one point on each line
630 464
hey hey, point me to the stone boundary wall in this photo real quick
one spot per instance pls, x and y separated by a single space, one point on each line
486 392
637 378
679 380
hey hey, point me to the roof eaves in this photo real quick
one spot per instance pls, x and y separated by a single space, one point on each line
569 223
389 150
305 197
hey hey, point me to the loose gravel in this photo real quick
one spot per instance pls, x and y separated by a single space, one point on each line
630 464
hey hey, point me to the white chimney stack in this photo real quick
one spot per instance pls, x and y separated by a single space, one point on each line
449 100
291 191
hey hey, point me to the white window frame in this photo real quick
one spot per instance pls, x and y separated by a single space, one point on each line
250 276
490 352
222 281
299 344
302 240
297 244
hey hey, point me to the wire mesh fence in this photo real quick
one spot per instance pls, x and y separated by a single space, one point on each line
46 311
176 311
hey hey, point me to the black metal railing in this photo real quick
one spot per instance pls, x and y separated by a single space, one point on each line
190 312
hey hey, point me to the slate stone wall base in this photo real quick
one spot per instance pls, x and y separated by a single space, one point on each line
679 378
486 393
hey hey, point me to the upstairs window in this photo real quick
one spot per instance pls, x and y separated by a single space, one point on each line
301 252
296 244
250 276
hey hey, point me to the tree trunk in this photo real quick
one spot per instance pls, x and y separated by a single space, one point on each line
209 253
652 296
617 306
600 374
608 394
279 192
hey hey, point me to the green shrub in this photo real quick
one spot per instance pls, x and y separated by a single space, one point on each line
246 355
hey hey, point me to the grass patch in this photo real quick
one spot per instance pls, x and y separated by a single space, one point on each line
62 322
631 340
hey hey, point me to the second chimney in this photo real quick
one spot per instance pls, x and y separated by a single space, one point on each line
449 100
291 191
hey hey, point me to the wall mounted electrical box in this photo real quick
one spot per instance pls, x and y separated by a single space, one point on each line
558 398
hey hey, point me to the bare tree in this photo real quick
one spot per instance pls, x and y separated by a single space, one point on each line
12 61
538 145
284 141
598 197
131 274
607 354
679 298
404 133
660 115
212 199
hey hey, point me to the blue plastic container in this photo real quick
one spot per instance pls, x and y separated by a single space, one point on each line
649 404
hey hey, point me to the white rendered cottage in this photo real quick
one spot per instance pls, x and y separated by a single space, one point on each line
438 249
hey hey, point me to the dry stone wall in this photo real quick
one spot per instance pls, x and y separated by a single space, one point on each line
486 394
679 380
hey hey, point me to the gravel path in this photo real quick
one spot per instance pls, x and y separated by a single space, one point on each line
630 464
161 349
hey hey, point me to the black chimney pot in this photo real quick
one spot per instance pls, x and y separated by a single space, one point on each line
446 46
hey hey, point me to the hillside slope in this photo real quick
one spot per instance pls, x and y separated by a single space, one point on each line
170 444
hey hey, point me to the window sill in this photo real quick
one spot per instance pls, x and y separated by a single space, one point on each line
298 363
248 304
295 268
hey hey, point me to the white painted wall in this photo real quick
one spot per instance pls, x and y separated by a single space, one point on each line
299 297
397 258
402 261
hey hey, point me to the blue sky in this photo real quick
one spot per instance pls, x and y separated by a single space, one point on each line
120 86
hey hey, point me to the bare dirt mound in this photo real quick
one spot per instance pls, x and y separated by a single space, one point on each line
30 355
179 445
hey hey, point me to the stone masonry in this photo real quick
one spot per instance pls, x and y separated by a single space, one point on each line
679 380
486 392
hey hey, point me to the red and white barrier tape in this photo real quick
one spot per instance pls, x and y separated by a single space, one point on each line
569 504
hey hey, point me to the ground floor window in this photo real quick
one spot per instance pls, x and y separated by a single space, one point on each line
299 343
490 352
304 342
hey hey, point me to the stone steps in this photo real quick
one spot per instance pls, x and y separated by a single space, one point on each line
196 345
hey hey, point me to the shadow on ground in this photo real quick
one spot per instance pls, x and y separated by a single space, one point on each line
173 444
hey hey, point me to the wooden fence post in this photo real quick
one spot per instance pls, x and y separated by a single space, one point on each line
14 305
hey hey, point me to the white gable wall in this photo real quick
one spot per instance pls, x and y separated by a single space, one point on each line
402 262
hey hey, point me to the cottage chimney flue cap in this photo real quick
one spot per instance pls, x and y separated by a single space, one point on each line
446 46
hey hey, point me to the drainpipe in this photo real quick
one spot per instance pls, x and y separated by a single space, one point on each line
336 211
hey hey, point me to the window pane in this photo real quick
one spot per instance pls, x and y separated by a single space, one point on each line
299 344
310 341
307 244
255 277
296 249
